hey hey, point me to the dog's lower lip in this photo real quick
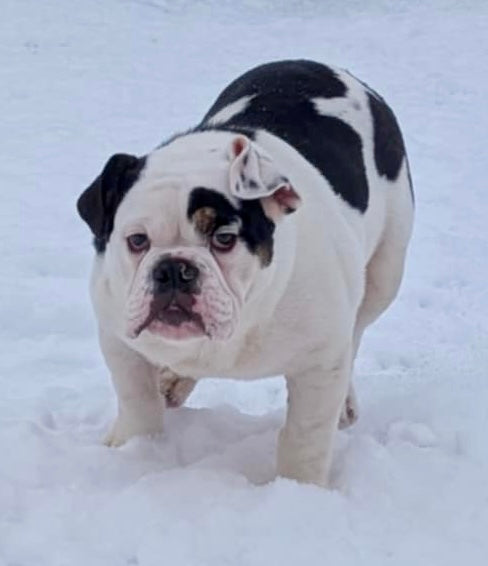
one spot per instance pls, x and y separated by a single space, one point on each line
174 315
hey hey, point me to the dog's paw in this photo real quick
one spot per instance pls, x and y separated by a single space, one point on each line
175 389
350 410
116 436
122 430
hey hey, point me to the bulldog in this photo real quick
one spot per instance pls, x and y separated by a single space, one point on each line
261 242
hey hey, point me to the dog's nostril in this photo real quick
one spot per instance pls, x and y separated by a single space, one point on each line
163 276
188 272
162 273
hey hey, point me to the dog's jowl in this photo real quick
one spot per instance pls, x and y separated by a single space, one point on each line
261 242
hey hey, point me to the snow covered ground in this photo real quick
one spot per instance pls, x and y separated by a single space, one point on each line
83 79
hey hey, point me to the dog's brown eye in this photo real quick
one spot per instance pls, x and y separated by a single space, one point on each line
138 243
224 241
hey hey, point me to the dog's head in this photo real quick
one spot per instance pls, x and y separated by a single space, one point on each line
187 233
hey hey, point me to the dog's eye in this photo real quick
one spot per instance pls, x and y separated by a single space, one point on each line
138 243
223 241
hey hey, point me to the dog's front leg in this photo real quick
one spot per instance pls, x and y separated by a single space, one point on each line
140 405
315 400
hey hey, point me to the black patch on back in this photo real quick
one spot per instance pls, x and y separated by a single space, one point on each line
282 106
256 228
389 149
98 204
287 80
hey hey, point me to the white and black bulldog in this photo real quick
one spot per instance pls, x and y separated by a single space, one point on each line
261 242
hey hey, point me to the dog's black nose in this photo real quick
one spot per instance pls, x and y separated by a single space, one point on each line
175 273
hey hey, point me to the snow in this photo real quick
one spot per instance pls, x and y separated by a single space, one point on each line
84 79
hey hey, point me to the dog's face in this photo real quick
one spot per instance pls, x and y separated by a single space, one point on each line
187 233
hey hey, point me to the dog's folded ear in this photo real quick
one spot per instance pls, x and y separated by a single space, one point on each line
98 204
253 175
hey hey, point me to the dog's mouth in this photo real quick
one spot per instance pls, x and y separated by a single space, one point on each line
172 316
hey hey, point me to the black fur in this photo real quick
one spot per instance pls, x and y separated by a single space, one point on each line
256 228
283 81
99 202
389 149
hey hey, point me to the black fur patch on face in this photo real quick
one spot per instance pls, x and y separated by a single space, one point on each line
282 104
222 210
256 228
389 149
98 204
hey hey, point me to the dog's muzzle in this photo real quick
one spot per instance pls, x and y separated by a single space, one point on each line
175 284
181 295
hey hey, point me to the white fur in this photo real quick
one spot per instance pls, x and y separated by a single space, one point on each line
231 110
333 272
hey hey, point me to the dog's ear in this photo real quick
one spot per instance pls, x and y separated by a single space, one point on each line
98 204
254 175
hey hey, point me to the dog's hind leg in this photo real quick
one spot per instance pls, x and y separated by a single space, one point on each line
350 410
384 273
